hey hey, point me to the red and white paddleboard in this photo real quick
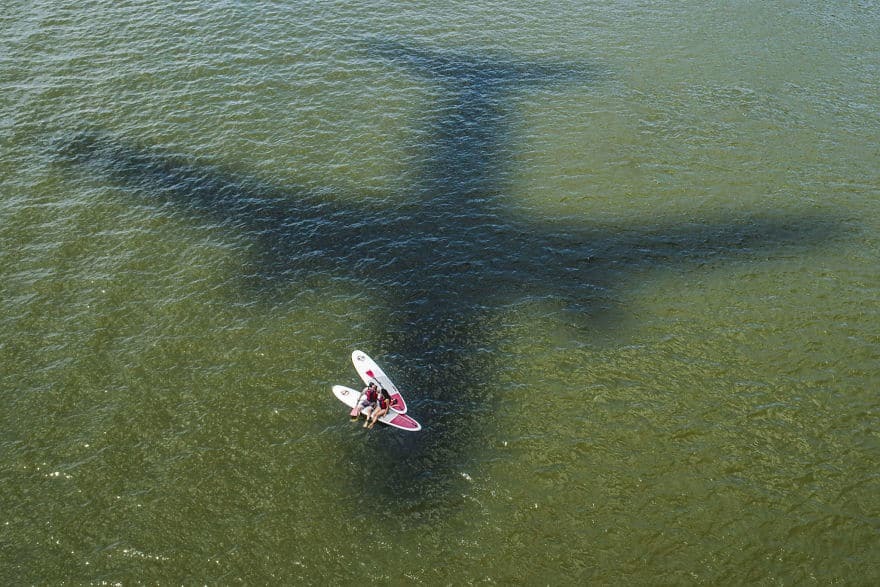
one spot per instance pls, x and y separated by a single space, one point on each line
370 371
349 397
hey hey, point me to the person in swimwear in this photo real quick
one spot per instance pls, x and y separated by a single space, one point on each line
380 410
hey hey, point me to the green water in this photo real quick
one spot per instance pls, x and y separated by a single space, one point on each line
620 256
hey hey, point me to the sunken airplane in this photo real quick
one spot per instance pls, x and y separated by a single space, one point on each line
442 266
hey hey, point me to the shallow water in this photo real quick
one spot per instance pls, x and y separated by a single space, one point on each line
621 257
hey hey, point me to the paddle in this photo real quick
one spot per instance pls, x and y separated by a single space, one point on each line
356 410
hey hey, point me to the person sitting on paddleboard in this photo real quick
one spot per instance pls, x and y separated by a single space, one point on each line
381 408
368 400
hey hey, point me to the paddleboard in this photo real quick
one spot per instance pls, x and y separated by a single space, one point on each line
370 371
349 397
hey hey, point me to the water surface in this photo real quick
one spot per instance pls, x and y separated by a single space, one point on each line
620 256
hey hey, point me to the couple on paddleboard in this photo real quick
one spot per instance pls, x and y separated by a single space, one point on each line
373 403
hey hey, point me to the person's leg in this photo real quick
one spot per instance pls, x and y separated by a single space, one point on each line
376 415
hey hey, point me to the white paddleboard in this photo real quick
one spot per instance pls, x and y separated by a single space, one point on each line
349 397
370 371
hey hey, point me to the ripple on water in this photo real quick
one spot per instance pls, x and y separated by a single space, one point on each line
658 411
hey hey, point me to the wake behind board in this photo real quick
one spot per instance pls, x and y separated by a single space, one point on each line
370 371
349 397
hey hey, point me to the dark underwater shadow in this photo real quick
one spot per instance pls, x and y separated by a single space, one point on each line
441 269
